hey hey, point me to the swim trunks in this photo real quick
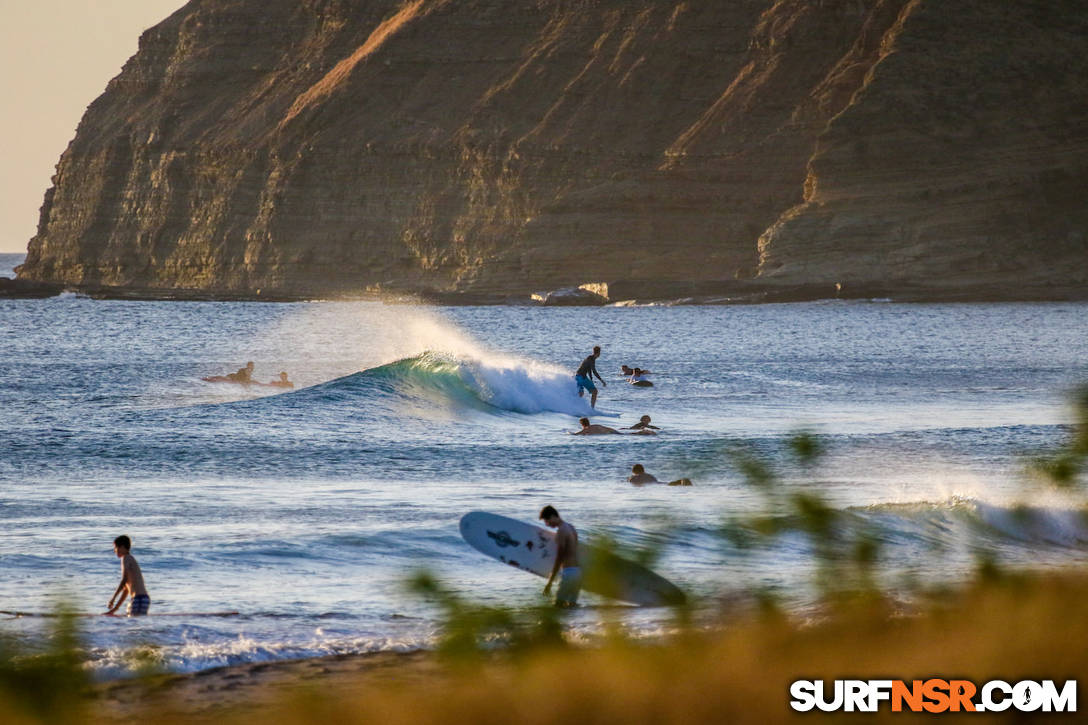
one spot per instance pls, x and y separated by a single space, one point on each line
570 584
138 605
585 383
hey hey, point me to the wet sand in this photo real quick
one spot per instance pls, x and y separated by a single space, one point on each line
210 693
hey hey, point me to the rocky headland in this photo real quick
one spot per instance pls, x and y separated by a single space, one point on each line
482 150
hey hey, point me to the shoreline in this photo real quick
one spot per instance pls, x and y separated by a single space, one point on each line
625 293
213 690
739 673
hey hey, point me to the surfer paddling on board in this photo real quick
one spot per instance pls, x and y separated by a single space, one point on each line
132 581
643 424
566 559
244 376
639 477
283 382
584 377
593 429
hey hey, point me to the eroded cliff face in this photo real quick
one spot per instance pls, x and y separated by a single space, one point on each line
962 160
329 147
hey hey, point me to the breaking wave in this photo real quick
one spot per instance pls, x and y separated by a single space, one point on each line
491 386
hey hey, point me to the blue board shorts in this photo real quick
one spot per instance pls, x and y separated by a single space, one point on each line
138 605
570 584
585 383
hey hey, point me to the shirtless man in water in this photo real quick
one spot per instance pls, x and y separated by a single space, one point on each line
244 375
592 429
566 559
639 477
584 377
283 382
132 581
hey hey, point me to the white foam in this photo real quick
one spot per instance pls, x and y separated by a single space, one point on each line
373 334
331 339
525 386
194 655
1063 527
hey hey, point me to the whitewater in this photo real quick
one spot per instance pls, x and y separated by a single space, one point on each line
306 511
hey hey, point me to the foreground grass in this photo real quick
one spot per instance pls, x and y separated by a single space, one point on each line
1009 629
1012 630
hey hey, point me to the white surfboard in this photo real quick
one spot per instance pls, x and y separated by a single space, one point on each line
532 549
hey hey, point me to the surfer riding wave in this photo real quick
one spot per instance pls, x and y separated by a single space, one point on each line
486 384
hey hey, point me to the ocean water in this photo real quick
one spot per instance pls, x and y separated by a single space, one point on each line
8 262
306 511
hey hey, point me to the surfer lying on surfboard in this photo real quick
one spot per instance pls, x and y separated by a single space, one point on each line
283 382
593 429
244 376
639 477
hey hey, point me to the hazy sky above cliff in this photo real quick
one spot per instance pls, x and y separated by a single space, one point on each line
56 57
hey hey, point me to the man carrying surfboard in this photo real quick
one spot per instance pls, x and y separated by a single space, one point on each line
566 559
584 376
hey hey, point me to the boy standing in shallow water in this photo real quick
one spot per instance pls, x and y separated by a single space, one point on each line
132 581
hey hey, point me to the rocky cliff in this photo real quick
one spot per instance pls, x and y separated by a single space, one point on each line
294 148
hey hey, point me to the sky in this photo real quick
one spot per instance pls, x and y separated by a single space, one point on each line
56 56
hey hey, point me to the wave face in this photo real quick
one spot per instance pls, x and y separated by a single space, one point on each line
958 527
979 523
500 385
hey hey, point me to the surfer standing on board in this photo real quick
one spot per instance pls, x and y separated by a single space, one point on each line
584 376
132 581
566 559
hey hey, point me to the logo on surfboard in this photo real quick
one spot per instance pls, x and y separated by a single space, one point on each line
502 539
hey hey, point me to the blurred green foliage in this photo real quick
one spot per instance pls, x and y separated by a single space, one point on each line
845 552
1066 468
48 683
469 628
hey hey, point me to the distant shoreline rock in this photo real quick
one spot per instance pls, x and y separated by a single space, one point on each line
747 151
22 288
670 294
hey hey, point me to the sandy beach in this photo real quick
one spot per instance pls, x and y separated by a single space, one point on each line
739 673
212 693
